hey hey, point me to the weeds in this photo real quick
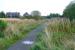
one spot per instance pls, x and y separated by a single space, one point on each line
15 31
60 34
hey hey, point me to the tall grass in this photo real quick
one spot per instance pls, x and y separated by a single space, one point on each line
60 34
16 30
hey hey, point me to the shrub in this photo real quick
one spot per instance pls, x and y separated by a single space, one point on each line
2 27
69 11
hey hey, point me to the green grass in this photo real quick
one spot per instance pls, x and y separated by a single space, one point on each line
39 43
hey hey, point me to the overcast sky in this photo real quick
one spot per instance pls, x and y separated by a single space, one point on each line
44 6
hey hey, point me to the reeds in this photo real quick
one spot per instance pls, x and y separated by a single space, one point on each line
60 34
16 29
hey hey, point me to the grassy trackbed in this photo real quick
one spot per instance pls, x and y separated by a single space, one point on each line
58 35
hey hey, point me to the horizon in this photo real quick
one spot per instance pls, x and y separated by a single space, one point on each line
45 6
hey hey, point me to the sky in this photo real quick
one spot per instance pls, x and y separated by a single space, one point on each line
44 6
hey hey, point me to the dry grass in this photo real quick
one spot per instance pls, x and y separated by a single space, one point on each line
60 34
17 25
16 29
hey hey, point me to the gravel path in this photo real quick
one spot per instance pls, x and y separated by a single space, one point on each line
26 42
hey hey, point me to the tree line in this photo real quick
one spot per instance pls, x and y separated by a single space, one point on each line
34 14
69 12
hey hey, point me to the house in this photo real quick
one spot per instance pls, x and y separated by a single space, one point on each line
26 14
12 14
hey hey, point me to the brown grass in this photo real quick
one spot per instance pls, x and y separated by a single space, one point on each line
60 34
16 29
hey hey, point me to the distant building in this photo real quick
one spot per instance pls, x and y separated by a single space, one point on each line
12 14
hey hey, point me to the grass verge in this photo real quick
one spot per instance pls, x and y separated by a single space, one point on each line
58 35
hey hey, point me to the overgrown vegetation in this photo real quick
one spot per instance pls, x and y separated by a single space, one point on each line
16 30
59 35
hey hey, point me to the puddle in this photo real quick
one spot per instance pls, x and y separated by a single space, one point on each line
28 42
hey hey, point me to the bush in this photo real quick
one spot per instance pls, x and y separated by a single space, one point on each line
70 11
2 27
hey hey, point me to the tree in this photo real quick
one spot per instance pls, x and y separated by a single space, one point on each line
70 11
35 13
2 15
53 15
